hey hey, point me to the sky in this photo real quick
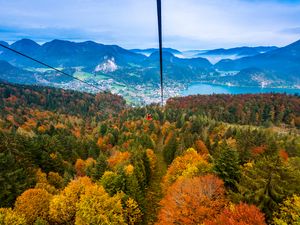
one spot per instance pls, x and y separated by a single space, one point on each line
187 24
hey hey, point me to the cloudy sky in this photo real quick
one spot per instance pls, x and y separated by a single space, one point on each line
187 24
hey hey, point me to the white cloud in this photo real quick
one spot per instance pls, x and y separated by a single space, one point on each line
132 23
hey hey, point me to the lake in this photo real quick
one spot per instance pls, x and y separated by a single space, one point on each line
207 89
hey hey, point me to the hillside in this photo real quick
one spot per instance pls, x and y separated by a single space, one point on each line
16 97
68 157
58 52
239 51
13 74
243 109
136 76
279 65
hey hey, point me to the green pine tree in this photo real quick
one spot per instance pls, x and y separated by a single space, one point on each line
100 167
267 183
226 166
133 188
170 149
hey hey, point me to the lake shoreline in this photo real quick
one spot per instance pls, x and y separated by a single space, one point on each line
206 88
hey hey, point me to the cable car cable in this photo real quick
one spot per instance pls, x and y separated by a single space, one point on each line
160 50
51 67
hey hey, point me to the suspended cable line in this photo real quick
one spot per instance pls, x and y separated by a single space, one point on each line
160 50
51 67
159 20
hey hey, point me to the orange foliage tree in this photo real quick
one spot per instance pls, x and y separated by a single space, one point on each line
33 204
81 166
192 201
188 165
117 158
241 214
201 148
258 150
284 155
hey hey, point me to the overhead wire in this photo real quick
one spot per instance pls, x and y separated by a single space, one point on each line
159 21
51 67
158 3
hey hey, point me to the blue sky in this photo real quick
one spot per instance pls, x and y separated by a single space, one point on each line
187 24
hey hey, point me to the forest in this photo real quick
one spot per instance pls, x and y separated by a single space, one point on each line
68 157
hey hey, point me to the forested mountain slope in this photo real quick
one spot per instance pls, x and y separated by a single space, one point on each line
59 100
74 158
253 109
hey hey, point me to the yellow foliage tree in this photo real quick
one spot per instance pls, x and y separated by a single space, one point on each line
63 206
152 159
10 217
165 128
154 138
55 179
42 182
97 207
186 166
289 212
42 129
33 204
129 169
132 213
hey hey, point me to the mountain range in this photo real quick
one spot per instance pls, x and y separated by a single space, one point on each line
254 66
149 51
216 55
240 51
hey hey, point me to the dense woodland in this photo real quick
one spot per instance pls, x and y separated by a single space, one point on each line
262 109
76 158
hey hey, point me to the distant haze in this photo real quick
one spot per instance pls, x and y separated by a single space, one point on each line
187 24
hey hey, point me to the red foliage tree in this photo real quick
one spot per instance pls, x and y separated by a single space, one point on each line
241 214
284 155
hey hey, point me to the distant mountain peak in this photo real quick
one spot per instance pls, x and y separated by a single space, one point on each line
149 51
25 42
166 54
5 64
4 43
295 44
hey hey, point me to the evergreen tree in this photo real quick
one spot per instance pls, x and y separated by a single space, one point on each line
103 129
133 188
16 174
146 141
170 149
226 166
267 183
100 167
13 179
113 182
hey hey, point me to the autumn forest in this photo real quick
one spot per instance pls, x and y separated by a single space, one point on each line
68 157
